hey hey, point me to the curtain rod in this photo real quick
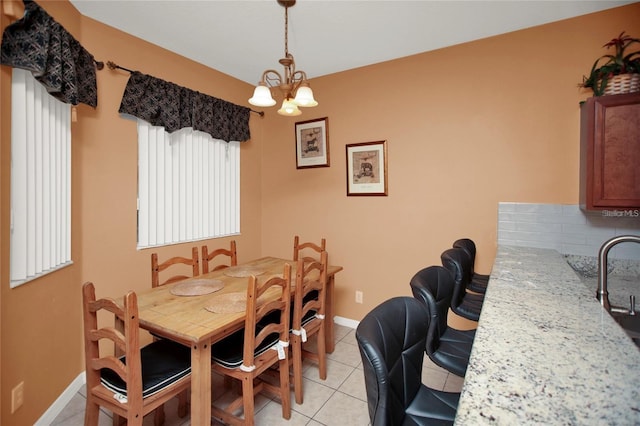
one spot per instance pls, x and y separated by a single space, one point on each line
113 66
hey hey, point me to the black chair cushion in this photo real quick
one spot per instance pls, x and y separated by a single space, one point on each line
480 278
479 283
432 407
309 316
228 352
470 307
452 356
462 336
312 295
163 362
274 316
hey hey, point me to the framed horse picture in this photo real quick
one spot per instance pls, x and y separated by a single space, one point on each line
312 143
367 168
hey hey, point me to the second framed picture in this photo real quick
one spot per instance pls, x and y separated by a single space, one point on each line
312 143
367 168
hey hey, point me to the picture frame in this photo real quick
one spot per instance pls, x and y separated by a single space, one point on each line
367 168
312 143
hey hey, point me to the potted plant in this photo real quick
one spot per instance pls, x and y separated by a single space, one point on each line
615 73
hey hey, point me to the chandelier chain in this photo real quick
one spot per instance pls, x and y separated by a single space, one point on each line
286 31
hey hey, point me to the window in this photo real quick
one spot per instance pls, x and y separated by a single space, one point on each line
188 186
40 180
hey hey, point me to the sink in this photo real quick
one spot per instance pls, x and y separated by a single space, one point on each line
620 288
630 323
623 280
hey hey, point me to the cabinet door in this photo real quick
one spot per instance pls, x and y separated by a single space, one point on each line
611 141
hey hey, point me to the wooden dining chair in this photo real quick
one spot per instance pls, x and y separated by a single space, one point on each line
249 352
208 257
308 318
140 381
156 268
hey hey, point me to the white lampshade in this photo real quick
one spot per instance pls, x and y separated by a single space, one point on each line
304 96
262 96
289 108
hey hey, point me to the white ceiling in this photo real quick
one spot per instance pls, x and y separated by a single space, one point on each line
242 38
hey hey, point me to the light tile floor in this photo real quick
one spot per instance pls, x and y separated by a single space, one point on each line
339 400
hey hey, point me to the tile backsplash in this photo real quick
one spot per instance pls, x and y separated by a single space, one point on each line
567 229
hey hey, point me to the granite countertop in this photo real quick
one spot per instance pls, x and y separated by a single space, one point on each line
546 352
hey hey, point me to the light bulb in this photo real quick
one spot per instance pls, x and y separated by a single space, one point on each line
304 96
262 96
289 108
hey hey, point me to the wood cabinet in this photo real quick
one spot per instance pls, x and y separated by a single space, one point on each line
610 152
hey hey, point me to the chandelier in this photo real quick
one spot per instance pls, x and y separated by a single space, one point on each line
293 84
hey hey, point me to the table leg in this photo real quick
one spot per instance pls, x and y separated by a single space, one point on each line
201 384
330 342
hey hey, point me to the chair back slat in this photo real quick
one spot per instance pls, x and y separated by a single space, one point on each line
304 249
207 257
157 267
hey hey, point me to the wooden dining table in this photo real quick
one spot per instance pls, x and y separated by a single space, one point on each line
190 321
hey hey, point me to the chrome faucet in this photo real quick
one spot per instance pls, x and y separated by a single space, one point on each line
602 293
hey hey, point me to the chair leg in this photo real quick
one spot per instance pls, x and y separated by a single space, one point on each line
134 419
158 416
297 368
322 354
228 381
285 393
118 420
91 414
248 400
183 404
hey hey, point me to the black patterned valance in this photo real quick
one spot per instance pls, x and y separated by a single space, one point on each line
38 43
173 107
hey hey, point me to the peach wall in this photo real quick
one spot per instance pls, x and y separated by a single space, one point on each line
466 127
495 123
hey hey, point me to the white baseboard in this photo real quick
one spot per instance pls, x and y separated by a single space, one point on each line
346 322
56 408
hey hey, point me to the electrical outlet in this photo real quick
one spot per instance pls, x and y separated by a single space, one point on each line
17 397
358 296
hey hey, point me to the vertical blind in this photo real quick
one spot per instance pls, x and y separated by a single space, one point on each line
40 180
188 186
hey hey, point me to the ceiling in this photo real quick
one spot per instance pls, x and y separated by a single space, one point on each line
242 38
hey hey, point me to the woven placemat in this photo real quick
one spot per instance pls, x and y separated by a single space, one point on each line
228 303
243 271
197 287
